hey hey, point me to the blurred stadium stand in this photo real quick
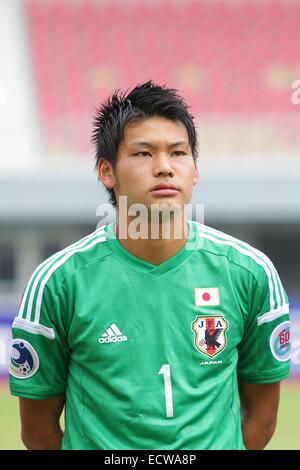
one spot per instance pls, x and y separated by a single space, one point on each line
234 61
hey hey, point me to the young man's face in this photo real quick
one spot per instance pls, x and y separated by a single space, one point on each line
155 151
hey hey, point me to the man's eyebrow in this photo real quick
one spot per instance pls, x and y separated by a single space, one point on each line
150 145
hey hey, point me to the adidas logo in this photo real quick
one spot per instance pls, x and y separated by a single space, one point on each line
112 335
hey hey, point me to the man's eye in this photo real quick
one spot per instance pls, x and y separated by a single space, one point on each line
141 153
179 153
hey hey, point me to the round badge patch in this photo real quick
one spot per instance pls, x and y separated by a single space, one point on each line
24 361
280 342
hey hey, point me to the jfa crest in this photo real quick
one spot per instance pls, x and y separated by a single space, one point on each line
210 334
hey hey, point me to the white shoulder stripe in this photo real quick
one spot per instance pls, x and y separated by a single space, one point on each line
56 266
251 255
47 262
33 328
280 297
45 265
260 254
273 314
45 268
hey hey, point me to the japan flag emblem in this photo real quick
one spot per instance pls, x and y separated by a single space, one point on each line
207 296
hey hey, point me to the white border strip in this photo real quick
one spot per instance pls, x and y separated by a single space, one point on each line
33 328
273 314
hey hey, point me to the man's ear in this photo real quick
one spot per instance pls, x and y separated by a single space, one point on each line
106 174
196 176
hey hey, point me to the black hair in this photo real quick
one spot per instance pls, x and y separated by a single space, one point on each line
145 100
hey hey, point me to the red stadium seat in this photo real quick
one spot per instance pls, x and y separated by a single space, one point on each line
226 57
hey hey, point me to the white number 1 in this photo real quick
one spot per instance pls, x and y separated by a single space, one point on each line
165 370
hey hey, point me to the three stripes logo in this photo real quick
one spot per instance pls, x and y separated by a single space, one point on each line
112 335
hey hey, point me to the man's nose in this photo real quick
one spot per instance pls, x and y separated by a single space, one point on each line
162 166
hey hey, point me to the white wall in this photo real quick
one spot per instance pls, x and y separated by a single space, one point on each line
19 135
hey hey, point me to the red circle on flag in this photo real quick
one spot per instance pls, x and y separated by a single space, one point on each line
206 296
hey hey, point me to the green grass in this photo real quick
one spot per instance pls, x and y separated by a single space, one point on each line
9 421
287 434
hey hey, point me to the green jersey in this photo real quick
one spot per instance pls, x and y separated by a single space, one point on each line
150 356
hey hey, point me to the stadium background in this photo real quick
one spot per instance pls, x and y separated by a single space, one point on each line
234 61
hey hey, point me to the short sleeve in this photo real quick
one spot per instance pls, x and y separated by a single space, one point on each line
264 351
39 350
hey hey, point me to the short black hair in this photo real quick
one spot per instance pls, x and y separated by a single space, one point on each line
145 100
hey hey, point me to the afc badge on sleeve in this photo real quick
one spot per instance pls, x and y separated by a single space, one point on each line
24 361
280 342
210 334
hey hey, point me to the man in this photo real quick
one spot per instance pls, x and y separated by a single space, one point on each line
151 333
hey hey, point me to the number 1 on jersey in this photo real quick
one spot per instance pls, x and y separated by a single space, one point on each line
165 370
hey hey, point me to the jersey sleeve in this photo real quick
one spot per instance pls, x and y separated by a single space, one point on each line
264 352
39 352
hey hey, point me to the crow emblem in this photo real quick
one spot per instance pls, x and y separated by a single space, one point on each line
210 334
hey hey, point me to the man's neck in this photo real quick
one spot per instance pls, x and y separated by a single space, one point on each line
162 244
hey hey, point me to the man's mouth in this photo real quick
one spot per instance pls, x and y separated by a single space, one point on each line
164 189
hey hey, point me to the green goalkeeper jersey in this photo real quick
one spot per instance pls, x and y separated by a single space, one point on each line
150 356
